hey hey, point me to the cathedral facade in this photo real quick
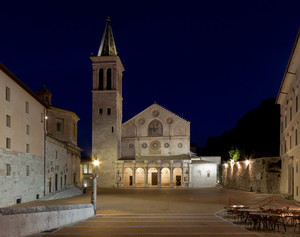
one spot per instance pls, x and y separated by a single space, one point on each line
150 149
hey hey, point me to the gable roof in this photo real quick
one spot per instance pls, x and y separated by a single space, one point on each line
20 83
287 72
151 106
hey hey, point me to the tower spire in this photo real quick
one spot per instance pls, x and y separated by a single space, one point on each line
107 45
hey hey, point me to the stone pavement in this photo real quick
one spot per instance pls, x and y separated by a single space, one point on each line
157 212
204 224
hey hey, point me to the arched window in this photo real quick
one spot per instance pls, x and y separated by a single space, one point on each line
155 128
108 85
100 79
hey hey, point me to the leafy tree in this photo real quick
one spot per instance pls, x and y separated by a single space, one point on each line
234 154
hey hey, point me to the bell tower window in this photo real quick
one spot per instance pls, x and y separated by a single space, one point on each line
100 87
108 87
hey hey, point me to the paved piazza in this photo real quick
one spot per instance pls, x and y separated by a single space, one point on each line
155 212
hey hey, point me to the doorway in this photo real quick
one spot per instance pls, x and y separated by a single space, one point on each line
154 178
56 181
178 180
49 185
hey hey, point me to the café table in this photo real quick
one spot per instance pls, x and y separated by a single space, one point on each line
273 208
291 216
268 221
232 210
244 213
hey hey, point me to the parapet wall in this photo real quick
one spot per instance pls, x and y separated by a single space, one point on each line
24 221
260 175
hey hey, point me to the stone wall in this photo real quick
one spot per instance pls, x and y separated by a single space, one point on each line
260 175
25 221
26 181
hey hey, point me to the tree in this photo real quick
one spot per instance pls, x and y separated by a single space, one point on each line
234 154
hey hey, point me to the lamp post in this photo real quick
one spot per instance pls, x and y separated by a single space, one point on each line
94 192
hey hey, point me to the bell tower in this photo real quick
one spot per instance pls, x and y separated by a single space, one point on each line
106 107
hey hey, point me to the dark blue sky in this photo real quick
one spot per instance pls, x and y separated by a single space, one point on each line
207 61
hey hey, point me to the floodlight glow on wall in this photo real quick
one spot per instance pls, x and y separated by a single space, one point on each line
96 162
247 162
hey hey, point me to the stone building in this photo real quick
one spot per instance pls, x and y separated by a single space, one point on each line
288 98
22 141
62 156
152 148
38 145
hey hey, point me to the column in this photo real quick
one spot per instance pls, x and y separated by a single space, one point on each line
146 174
183 175
159 177
190 175
171 174
122 181
171 177
159 174
133 175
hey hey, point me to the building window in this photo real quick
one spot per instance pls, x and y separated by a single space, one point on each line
8 143
7 94
8 121
285 121
74 130
112 129
296 137
284 146
27 148
8 170
87 169
199 173
108 85
60 125
291 142
108 111
100 87
27 107
208 174
100 112
291 113
27 170
27 129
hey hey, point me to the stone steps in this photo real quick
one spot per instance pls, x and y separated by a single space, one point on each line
70 192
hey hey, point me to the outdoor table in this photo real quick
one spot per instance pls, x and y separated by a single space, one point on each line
268 221
244 213
291 216
273 208
232 210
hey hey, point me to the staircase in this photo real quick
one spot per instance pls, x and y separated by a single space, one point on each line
66 193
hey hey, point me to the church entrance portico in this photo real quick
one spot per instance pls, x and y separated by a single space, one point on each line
153 173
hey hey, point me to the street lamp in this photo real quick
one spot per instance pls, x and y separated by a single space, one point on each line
94 192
